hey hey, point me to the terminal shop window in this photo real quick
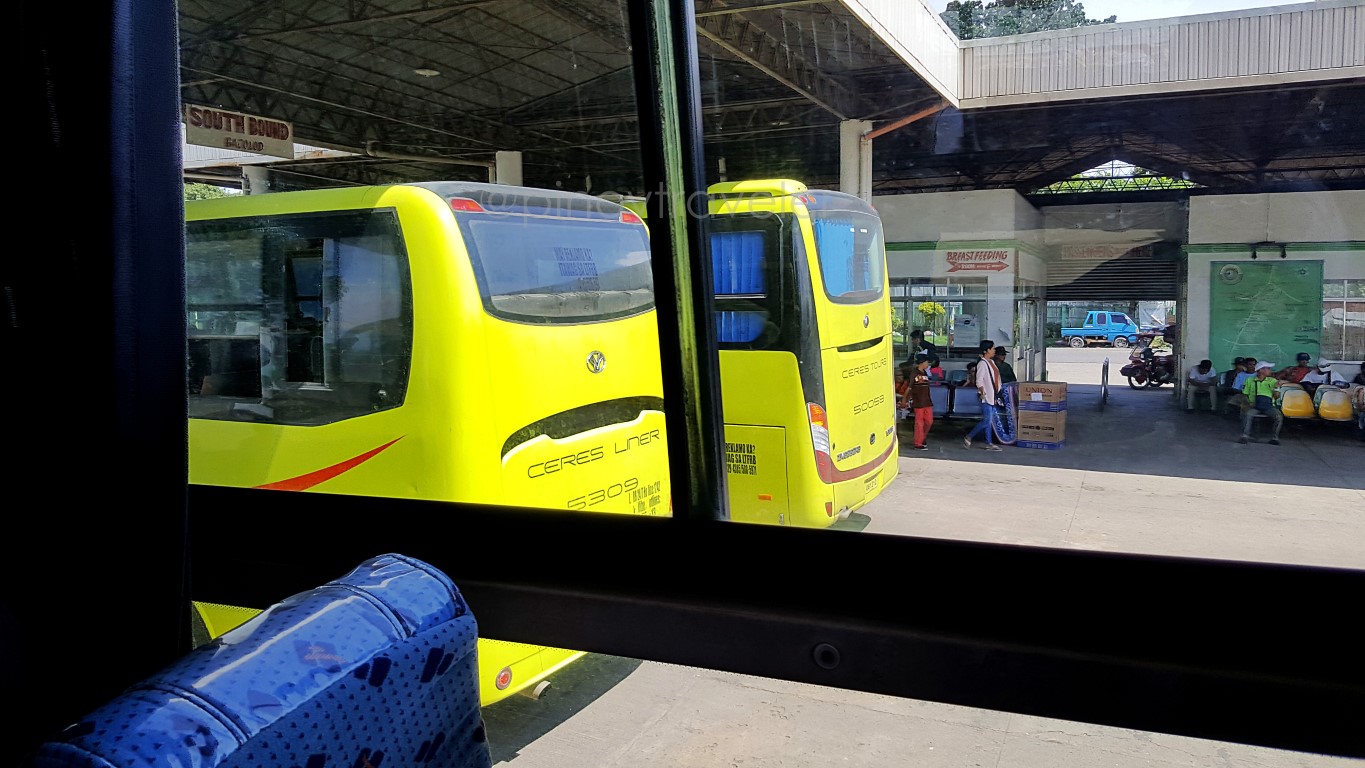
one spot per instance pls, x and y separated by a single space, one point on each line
1343 320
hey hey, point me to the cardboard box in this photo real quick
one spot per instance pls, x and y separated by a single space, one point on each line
1038 394
1040 446
1037 405
1041 427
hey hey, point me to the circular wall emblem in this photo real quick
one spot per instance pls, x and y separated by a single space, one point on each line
1230 274
597 361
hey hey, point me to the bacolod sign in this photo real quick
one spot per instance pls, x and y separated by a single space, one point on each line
210 127
982 260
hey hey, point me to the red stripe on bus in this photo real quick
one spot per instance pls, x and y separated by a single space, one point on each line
871 466
304 482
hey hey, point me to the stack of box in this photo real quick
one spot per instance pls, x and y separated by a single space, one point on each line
1042 415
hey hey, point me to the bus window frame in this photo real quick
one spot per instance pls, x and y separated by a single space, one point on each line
1272 666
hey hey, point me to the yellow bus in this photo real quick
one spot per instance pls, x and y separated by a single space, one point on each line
803 320
445 341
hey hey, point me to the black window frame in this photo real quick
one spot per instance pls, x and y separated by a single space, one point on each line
1253 653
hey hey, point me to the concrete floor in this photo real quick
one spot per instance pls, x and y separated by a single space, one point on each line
1142 475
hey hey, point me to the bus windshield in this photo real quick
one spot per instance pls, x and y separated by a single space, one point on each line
849 248
537 269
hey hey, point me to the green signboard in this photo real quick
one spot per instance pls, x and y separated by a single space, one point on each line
1270 310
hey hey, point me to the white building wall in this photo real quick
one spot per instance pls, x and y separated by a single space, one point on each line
1032 268
1303 42
992 214
1290 217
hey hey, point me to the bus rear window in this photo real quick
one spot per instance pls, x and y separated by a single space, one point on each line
559 270
851 254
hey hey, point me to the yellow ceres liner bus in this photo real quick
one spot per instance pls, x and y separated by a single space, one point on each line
803 318
447 341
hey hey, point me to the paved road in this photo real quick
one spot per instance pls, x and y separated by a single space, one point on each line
1138 476
1084 366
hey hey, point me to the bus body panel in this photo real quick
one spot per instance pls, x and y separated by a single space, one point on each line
756 469
473 381
860 403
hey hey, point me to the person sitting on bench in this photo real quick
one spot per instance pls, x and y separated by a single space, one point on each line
1201 378
1260 393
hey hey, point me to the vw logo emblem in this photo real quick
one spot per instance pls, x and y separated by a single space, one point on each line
597 361
866 321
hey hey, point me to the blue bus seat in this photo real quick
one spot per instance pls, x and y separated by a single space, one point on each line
938 395
375 668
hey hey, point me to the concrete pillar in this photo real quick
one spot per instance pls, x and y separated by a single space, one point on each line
998 324
255 179
855 159
508 168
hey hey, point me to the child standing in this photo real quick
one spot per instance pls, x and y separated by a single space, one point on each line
921 402
903 375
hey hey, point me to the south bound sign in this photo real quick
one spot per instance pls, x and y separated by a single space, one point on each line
209 127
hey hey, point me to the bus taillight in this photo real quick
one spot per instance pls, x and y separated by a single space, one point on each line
628 217
819 436
503 679
465 204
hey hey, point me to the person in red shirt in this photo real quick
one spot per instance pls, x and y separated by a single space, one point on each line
1295 373
935 371
921 402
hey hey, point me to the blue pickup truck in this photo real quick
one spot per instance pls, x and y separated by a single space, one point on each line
1111 328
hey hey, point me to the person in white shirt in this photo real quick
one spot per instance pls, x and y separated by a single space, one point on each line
1323 374
988 387
1201 378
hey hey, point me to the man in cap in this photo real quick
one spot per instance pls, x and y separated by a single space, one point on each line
1295 373
1260 394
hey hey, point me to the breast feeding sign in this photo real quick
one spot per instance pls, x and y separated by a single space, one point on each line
978 260
209 127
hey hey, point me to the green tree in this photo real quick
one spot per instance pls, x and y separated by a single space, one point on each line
970 19
933 313
197 191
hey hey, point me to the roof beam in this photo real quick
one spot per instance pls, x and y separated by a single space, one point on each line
749 42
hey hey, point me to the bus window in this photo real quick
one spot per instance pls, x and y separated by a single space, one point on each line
297 319
565 270
746 266
852 257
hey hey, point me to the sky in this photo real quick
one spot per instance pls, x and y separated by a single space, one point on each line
1138 10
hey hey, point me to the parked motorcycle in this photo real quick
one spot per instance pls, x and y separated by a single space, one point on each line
1147 369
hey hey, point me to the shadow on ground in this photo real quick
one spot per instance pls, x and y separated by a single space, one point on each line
519 720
